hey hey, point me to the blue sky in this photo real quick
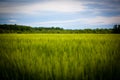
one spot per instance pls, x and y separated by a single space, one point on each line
69 14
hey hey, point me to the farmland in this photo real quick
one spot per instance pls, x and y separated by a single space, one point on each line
59 56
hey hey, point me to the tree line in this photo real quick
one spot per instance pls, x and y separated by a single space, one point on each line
10 28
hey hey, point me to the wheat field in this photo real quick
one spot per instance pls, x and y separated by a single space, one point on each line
59 56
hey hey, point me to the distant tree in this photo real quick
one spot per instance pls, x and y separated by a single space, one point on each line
116 29
14 28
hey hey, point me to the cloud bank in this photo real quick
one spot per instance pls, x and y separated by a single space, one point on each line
60 12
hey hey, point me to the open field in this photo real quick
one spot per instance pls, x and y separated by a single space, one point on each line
59 56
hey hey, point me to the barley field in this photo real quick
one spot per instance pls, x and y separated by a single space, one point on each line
59 56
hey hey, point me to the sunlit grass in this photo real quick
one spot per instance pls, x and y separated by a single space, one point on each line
59 56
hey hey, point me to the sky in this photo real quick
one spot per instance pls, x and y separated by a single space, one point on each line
67 14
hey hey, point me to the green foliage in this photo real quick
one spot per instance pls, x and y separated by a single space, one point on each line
4 28
59 56
116 29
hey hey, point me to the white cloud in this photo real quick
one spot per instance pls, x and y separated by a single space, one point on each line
103 20
69 6
12 21
59 22
94 21
56 6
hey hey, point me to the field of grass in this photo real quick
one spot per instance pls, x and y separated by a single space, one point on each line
59 56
